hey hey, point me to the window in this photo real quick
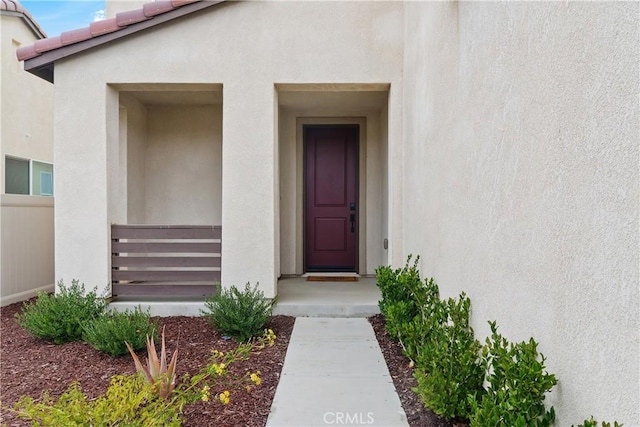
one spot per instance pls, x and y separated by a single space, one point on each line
16 176
24 176
41 179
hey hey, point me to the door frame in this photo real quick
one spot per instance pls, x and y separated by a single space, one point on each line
361 179
358 130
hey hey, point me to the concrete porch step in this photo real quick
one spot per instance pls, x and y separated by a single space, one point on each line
301 298
296 297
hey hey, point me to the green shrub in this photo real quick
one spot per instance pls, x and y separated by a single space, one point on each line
240 314
109 331
398 316
431 315
128 401
593 423
517 385
398 305
59 317
449 368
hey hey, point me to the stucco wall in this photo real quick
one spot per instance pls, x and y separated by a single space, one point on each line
172 152
183 163
26 122
135 114
248 47
520 166
26 131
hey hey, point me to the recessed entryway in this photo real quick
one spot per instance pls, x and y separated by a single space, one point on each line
331 197
360 111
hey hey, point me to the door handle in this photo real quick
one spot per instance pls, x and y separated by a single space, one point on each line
352 218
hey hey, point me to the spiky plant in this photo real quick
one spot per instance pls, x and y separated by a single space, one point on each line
158 373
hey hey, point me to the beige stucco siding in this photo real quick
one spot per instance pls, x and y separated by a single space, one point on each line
26 132
184 165
26 122
133 116
520 168
82 217
248 48
249 178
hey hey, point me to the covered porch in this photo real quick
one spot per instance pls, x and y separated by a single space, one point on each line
170 168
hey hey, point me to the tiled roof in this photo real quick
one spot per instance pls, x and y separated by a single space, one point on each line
150 12
14 7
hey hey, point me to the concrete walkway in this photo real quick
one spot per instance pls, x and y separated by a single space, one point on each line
334 374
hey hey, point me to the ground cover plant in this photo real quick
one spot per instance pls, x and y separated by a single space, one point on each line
30 366
128 401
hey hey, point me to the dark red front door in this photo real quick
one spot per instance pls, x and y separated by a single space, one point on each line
331 196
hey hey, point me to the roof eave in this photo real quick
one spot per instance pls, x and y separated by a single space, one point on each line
45 72
43 65
28 20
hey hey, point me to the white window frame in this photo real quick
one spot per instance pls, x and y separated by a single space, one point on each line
42 193
31 180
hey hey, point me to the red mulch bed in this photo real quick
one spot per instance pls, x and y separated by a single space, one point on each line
28 366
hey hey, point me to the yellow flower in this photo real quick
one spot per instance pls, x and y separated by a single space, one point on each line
217 353
270 336
218 368
205 394
255 378
224 397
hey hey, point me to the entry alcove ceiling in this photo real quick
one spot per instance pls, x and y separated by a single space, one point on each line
345 97
300 97
173 94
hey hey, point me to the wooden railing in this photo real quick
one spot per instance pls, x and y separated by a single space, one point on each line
165 260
